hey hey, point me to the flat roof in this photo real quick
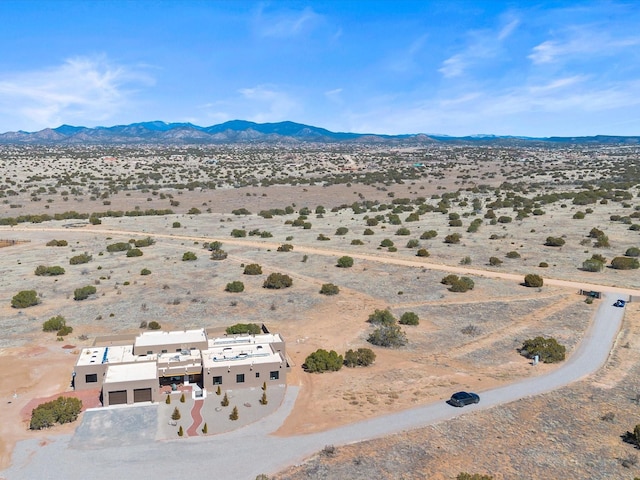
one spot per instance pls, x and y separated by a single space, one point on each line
150 339
91 356
131 372
264 338
228 355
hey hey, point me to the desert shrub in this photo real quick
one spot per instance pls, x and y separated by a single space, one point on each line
79 259
595 233
194 211
243 328
218 255
473 476
57 243
533 280
363 357
543 265
145 271
64 331
625 263
368 231
357 241
61 410
465 260
403 231
277 281
176 225
429 234
423 252
504 219
54 324
602 242
495 261
413 243
189 257
285 247
134 252
235 287
413 217
43 271
329 289
593 265
322 361
409 318
238 233
176 414
455 223
24 299
322 237
234 414
341 231
578 215
554 242
386 243
144 242
512 254
153 325
345 262
241 211
84 292
632 252
381 317
452 238
547 349
388 336
461 285
253 269
119 247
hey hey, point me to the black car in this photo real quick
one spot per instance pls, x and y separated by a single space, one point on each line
619 303
461 399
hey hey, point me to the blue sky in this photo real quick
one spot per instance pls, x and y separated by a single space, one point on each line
453 67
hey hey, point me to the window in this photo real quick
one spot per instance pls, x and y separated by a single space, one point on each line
91 378
240 378
149 352
257 374
164 351
217 380
275 375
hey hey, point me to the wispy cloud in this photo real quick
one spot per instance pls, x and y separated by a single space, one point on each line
81 89
285 23
268 104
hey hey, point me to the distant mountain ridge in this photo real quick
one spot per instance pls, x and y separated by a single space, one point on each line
242 131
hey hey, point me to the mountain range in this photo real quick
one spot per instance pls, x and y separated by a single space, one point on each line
241 131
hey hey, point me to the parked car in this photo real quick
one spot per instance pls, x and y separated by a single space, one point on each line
461 399
619 303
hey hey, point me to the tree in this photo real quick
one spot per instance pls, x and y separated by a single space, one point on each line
24 299
363 357
253 269
263 399
235 287
277 281
388 336
180 431
322 361
84 292
225 400
54 324
409 318
61 410
329 289
176 414
205 429
243 328
533 280
345 262
381 317
189 257
234 414
625 263
548 350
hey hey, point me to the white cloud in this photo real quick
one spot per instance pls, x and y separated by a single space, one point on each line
453 66
79 90
285 23
268 104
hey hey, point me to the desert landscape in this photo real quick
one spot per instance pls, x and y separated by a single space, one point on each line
407 216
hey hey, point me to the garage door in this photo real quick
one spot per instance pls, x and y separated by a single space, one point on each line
142 395
118 397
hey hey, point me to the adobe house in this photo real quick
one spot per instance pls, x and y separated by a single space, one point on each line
133 370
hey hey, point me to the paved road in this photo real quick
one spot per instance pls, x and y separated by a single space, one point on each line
246 452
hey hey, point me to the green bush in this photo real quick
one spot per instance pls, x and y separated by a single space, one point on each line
345 262
253 269
235 287
458 284
357 241
363 357
119 247
24 299
386 243
218 255
495 261
513 254
64 331
145 271
54 324
322 361
547 349
57 243
322 237
473 476
368 231
505 219
277 281
592 265
153 325
341 231
144 242
632 252
79 259
243 328
413 243
176 414
237 233
234 414
429 234
452 238
388 336
381 317
134 252
403 231
241 211
409 318
533 280
285 247
189 257
176 225
554 242
61 410
625 263
329 289
43 271
455 223
423 252
84 292
372 222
